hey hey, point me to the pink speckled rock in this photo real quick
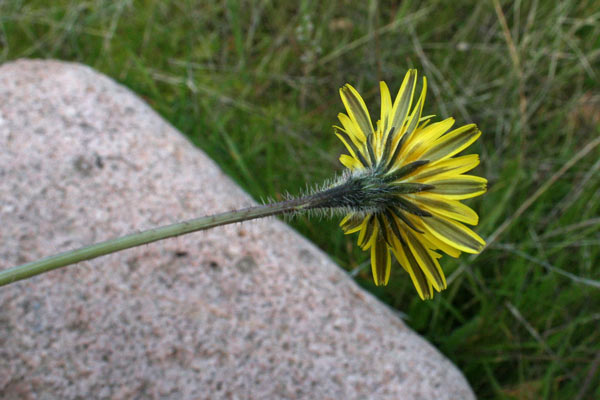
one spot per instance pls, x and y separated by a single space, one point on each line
250 311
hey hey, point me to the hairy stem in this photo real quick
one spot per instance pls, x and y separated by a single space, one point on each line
324 199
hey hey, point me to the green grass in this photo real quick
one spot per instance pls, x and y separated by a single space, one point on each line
255 86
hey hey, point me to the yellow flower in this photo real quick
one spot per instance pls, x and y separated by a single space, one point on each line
420 182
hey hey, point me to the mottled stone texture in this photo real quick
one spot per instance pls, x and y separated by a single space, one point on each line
249 311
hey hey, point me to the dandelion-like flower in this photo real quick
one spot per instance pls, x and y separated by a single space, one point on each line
411 185
401 192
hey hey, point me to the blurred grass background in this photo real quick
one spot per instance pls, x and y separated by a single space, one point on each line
254 84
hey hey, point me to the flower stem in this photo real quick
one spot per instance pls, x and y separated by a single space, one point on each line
340 195
152 235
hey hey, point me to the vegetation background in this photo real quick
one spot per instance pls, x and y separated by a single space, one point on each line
254 84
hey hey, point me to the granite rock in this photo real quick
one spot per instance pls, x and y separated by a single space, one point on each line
248 311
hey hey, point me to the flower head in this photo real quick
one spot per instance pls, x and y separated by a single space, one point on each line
412 185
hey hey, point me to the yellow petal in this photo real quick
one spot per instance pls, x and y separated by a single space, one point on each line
431 241
351 223
353 131
438 204
452 143
454 233
404 99
415 116
459 188
350 162
349 147
436 244
426 261
426 120
450 167
368 233
380 262
386 109
424 137
406 259
357 109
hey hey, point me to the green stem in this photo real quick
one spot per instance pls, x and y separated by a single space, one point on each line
152 235
344 195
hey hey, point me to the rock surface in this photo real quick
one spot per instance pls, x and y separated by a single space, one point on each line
250 311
